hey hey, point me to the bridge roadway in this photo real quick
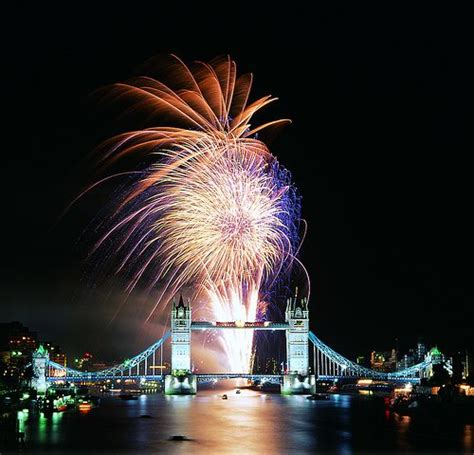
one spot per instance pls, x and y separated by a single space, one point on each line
395 379
202 325
272 378
204 377
214 377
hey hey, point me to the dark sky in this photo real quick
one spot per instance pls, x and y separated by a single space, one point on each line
380 148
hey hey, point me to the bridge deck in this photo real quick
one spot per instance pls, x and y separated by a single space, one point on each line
203 377
202 325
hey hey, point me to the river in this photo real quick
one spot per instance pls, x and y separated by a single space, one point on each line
250 422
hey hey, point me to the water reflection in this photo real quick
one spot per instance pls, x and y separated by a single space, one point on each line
248 422
403 424
468 438
47 428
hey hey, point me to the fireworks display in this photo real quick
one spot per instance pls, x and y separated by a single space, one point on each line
214 212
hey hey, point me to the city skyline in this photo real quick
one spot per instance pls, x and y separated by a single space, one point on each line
24 342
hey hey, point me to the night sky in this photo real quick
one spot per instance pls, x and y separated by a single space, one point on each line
380 148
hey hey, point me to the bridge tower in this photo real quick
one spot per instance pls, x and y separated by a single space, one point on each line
181 380
40 363
297 379
181 336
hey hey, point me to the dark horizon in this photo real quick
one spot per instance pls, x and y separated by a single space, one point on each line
381 107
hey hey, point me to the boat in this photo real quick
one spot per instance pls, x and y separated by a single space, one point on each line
61 407
224 397
179 437
128 396
84 406
318 396
237 391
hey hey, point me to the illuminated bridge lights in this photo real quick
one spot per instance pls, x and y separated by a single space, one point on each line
262 378
266 325
329 364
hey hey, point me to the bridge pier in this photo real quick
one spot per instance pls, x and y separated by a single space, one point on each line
185 384
296 384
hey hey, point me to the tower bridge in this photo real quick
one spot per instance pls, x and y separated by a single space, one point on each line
298 378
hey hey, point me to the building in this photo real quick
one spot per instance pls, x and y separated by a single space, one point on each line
420 351
384 361
466 365
437 356
17 344
59 357
14 336
406 361
438 359
376 360
84 363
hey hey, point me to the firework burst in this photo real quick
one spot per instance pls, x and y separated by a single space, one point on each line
215 211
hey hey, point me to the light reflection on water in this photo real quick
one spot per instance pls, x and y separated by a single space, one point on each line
245 423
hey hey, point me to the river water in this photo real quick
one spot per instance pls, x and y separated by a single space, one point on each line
250 422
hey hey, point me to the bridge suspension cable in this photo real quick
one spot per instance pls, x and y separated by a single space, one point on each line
139 364
329 363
